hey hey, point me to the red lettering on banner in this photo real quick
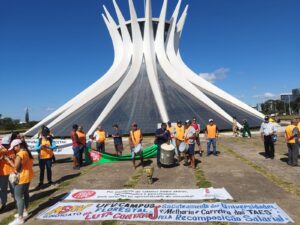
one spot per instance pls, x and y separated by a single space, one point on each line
155 213
83 194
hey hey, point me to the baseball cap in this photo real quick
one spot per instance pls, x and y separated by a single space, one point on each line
14 143
210 120
187 121
179 121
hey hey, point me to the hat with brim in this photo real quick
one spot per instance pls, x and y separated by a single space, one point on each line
14 143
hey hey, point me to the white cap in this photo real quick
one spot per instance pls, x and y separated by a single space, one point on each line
210 120
6 140
14 143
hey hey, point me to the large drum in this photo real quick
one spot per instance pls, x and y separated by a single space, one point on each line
167 153
183 147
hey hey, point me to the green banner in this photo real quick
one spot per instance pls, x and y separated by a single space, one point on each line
94 157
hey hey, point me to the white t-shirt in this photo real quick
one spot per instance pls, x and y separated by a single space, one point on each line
191 134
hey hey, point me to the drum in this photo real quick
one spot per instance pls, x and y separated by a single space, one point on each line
183 147
137 148
167 153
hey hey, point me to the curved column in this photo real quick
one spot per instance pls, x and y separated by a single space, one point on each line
172 73
132 74
176 60
150 60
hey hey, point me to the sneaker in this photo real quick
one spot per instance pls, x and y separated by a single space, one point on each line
39 186
25 214
17 221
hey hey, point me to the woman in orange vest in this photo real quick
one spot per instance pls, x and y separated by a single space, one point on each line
82 139
211 135
6 168
292 140
45 147
135 140
23 166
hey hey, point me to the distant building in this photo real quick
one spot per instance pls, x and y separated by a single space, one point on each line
295 94
286 97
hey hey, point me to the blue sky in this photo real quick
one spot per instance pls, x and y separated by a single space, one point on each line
51 50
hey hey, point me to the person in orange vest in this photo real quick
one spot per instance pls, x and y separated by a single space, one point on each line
211 135
298 125
6 168
179 136
135 141
100 137
292 140
75 147
190 138
24 167
82 140
45 146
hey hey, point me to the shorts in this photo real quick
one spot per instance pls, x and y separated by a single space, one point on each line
133 154
191 149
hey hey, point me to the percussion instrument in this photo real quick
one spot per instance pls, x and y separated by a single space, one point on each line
167 153
183 147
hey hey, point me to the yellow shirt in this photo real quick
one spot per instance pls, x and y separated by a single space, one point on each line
299 128
135 136
100 136
26 173
289 134
46 153
180 133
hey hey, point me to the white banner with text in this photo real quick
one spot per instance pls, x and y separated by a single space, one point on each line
167 212
64 146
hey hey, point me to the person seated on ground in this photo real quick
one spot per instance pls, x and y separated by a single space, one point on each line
24 166
82 139
190 138
100 137
211 135
135 142
117 136
45 146
162 135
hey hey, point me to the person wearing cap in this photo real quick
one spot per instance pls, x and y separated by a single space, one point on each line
197 129
117 136
6 168
190 138
179 137
100 137
135 140
267 130
76 147
292 133
272 118
162 135
211 135
235 129
172 131
45 147
24 167
82 139
246 129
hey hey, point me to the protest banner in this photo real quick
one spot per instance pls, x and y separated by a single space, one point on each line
150 194
167 212
64 146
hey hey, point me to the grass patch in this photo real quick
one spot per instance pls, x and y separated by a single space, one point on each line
288 187
134 179
109 222
202 182
7 220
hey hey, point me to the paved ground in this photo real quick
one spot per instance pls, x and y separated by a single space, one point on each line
240 168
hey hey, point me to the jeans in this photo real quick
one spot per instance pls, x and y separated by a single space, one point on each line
269 146
76 153
45 163
3 189
293 154
212 141
101 147
158 155
81 151
22 197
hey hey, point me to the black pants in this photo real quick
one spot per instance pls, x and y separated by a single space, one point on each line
269 146
158 156
45 163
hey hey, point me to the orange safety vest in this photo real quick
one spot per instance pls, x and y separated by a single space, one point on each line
26 173
289 134
46 153
180 133
135 136
101 136
172 131
5 167
186 139
299 129
81 137
211 131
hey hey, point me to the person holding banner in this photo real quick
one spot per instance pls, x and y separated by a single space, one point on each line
135 141
82 139
45 147
162 135
24 169
100 137
190 137
179 136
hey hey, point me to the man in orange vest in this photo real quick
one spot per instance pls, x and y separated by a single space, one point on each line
82 139
135 141
292 140
100 137
211 135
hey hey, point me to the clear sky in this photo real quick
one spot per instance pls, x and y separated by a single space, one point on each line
51 50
